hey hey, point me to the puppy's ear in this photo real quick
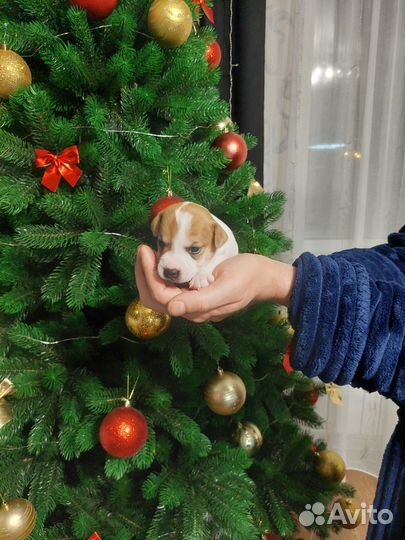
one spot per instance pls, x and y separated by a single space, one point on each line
220 236
155 225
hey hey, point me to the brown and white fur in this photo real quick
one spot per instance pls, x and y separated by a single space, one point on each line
191 244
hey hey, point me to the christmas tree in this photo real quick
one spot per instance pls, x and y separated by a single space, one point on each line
105 109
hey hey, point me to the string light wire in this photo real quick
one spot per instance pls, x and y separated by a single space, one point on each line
231 51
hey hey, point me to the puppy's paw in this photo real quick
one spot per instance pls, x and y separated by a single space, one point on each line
201 280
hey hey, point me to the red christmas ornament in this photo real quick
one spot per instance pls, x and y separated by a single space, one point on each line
213 55
314 449
287 361
95 536
123 432
235 149
64 165
164 203
208 12
270 536
96 9
312 396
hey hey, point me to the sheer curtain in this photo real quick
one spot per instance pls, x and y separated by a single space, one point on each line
335 144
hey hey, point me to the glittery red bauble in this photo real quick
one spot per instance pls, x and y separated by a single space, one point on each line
235 149
164 203
123 432
213 54
96 9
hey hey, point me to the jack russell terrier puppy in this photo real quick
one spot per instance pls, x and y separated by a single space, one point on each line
191 244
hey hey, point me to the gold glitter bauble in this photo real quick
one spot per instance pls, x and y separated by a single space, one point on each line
281 319
6 412
170 22
146 323
255 188
249 437
225 125
330 466
225 394
14 73
351 510
17 520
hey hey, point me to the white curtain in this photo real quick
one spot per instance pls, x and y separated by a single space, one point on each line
335 144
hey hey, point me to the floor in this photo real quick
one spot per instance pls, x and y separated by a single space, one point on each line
365 485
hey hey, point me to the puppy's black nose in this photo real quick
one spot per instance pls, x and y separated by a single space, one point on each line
171 273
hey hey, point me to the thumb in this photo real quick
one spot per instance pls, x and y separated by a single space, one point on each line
147 258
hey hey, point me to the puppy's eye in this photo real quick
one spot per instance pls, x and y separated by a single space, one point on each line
161 244
194 250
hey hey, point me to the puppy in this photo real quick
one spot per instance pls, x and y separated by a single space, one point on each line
191 244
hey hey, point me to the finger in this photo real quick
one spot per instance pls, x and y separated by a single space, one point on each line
140 278
139 273
217 315
148 262
202 301
207 317
158 289
143 289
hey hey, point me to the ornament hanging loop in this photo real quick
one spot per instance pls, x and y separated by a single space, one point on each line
130 394
3 501
4 45
168 174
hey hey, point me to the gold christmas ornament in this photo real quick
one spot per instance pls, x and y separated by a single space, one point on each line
14 73
351 510
255 188
170 22
17 519
330 466
225 125
249 437
6 412
281 319
225 394
145 323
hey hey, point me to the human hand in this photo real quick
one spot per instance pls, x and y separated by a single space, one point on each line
240 281
154 292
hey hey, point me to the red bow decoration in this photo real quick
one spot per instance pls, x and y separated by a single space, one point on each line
63 165
209 12
94 536
287 361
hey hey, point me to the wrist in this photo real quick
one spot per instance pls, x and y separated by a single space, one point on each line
276 281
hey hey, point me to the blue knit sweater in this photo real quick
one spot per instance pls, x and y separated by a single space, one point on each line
348 310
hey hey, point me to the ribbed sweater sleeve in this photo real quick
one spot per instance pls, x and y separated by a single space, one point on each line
348 311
